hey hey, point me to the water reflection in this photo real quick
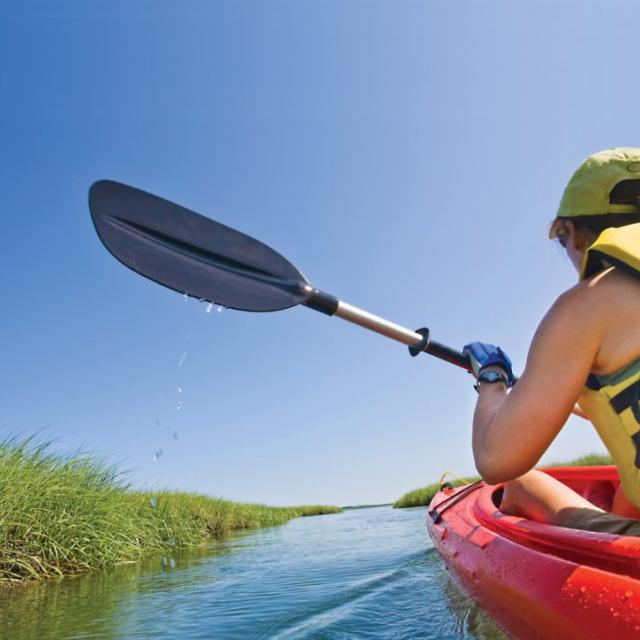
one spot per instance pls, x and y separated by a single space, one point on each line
367 573
470 620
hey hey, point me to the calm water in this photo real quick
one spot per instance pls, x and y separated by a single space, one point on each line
366 573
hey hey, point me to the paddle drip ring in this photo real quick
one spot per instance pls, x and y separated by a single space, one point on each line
419 347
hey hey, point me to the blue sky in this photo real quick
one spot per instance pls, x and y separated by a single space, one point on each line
406 156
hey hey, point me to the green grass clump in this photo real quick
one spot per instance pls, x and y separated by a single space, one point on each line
422 497
315 510
589 460
65 515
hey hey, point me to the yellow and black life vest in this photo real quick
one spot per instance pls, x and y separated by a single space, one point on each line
617 247
612 402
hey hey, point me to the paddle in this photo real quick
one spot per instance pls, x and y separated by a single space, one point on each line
199 257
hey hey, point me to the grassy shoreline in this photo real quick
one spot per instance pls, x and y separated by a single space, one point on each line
64 515
422 497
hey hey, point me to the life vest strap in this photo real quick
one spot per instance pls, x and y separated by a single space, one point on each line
628 398
636 441
593 383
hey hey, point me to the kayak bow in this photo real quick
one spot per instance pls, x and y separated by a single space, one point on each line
540 581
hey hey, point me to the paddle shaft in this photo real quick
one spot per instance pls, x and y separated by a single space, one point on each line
401 334
327 304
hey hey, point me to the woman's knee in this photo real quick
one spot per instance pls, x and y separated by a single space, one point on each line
512 496
538 496
517 492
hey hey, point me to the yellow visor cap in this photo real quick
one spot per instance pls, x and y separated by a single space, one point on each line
588 191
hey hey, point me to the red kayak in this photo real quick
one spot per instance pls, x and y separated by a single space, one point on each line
540 581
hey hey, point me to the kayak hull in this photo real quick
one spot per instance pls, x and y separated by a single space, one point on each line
539 581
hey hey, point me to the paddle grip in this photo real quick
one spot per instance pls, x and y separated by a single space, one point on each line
448 354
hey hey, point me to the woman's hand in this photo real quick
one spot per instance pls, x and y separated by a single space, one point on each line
484 356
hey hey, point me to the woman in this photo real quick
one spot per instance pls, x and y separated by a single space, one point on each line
585 351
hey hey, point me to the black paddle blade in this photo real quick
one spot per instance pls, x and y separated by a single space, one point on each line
192 254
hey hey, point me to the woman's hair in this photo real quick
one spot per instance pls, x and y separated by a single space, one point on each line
625 192
595 225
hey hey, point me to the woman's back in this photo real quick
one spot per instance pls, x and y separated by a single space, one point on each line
614 297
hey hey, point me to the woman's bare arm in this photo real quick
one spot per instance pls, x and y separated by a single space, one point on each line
512 431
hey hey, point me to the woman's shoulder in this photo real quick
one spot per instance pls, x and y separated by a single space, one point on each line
598 301
609 285
610 301
582 297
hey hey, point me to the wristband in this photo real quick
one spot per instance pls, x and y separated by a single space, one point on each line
491 377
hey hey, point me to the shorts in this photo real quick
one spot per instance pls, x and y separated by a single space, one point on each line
602 522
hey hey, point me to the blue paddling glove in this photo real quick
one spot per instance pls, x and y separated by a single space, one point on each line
483 355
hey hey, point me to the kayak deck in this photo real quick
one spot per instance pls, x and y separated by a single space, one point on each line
537 580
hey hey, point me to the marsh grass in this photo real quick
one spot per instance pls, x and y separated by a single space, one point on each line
63 515
422 497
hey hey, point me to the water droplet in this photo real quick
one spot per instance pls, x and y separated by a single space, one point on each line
157 454
153 501
179 389
165 562
186 298
179 407
219 308
172 563
182 359
209 307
